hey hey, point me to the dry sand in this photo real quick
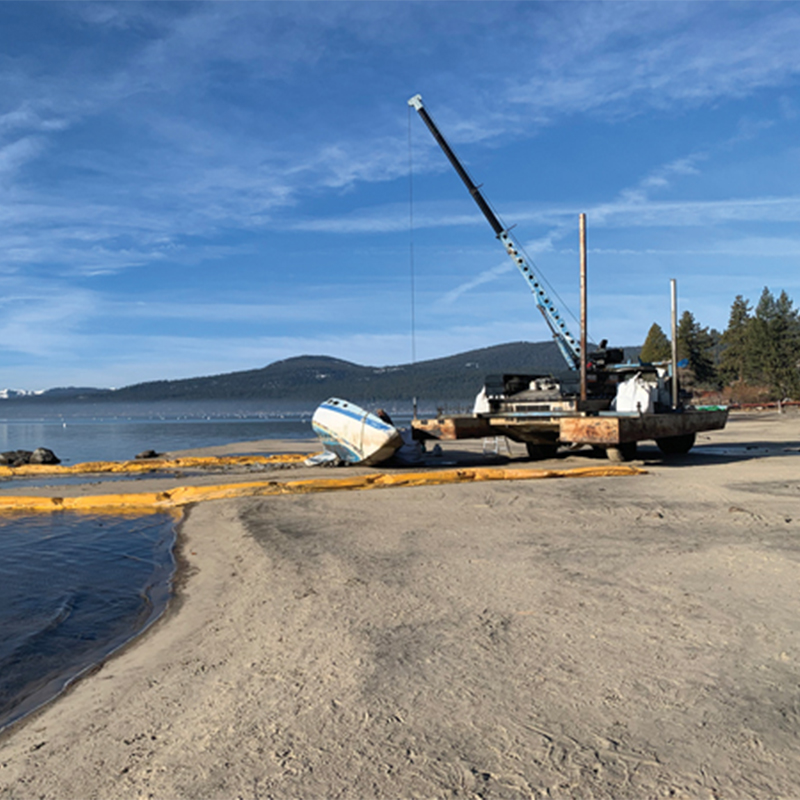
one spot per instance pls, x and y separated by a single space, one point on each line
604 637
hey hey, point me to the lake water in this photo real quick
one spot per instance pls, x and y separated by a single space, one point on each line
74 587
116 432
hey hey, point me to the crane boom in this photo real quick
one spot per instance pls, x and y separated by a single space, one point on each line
569 347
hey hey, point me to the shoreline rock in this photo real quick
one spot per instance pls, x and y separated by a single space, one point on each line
18 458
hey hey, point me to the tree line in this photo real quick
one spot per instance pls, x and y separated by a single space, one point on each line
757 357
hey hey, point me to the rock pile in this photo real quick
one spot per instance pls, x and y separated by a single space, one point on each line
18 458
148 454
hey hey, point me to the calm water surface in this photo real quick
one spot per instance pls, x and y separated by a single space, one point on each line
113 432
73 588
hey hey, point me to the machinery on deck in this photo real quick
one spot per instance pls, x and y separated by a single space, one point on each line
544 410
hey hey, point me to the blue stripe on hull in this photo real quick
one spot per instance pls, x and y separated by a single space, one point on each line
362 416
336 445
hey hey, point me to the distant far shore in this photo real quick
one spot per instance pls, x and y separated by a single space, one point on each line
312 379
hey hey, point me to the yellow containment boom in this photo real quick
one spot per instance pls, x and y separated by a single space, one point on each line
149 465
155 502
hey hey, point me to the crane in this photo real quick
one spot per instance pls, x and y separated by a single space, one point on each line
543 411
569 347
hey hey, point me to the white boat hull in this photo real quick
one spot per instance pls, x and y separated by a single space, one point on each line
354 434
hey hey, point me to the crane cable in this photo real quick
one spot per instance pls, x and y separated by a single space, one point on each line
411 242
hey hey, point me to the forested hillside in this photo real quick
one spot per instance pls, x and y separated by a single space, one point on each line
312 379
315 378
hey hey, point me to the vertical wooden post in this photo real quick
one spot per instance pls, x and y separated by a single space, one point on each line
583 306
674 318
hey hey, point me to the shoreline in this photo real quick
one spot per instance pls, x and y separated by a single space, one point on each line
159 593
459 639
155 594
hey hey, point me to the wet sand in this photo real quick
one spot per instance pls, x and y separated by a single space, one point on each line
598 637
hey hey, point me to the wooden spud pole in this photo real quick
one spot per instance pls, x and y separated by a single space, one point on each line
583 306
674 293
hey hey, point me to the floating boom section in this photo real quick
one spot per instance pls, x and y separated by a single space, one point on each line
567 344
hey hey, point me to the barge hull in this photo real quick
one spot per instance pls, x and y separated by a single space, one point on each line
613 430
606 430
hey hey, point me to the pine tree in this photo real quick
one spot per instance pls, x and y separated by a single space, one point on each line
733 360
758 346
774 344
656 346
695 344
786 333
715 348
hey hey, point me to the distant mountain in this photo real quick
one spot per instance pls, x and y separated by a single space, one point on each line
312 379
63 391
72 391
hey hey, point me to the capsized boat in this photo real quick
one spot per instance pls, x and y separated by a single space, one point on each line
354 434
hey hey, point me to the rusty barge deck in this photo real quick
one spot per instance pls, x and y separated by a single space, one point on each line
617 432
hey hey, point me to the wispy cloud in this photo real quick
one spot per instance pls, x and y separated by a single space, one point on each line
696 213
39 319
13 156
536 246
741 247
135 149
631 209
625 58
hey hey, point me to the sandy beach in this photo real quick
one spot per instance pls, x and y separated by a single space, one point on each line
569 638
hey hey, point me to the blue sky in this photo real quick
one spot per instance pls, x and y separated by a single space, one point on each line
196 188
